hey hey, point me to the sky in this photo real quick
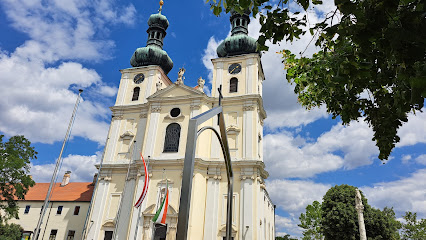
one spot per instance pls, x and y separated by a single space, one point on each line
51 48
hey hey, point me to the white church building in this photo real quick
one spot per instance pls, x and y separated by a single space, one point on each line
151 116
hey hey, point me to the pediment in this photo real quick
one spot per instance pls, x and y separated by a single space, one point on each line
175 90
151 210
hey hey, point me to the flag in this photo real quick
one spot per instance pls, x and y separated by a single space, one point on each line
160 215
145 185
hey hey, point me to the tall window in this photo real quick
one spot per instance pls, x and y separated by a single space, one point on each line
76 210
27 209
53 233
171 143
233 85
108 235
136 91
59 211
71 234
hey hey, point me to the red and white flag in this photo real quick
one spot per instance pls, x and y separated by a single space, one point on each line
145 185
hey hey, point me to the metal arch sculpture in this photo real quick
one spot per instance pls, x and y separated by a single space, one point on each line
188 168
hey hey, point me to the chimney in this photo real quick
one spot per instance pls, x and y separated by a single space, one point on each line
95 177
66 178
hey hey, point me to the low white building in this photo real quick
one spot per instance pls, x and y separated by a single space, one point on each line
66 213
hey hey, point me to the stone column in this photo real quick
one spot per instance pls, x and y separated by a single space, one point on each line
360 208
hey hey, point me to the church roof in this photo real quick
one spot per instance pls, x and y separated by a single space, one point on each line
173 87
153 53
72 192
239 42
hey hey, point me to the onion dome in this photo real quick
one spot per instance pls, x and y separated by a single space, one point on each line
239 42
153 53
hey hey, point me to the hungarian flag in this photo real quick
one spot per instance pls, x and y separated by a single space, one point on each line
160 215
145 185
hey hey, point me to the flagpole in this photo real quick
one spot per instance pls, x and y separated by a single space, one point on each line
140 208
58 163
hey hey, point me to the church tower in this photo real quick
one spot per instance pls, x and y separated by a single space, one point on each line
151 117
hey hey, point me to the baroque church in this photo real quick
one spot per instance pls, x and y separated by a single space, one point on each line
151 116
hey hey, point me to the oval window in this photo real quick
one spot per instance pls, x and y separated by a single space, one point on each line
175 112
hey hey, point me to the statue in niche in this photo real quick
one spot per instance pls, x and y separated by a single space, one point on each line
181 78
201 82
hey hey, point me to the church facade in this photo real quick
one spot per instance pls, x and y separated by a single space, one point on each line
151 116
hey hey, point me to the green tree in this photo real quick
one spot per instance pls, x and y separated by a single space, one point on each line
413 229
340 218
10 231
372 62
311 221
15 156
286 237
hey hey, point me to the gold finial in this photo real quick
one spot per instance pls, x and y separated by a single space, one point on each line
161 6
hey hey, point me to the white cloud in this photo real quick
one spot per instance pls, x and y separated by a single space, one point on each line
413 131
342 147
209 54
285 225
421 159
406 158
406 194
82 169
39 78
293 197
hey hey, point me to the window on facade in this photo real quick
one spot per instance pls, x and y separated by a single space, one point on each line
53 233
233 85
59 211
175 112
27 209
76 210
238 22
108 235
171 143
136 91
71 234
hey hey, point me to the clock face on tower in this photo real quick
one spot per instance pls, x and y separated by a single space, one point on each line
234 68
139 78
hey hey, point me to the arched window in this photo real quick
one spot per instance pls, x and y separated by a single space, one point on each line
171 143
238 22
233 85
136 91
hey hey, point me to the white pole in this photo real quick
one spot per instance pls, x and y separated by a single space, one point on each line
55 172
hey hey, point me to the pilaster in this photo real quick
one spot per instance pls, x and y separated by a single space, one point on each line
152 130
95 225
212 204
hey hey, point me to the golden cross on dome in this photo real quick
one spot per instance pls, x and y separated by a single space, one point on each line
161 6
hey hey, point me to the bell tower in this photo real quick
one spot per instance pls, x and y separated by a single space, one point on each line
238 68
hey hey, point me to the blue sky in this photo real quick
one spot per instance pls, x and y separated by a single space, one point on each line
51 48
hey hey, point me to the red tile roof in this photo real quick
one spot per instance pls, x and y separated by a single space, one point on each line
73 191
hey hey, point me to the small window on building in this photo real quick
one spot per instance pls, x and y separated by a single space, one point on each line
27 209
70 235
175 112
108 235
233 85
76 210
53 233
59 211
171 143
136 91
238 22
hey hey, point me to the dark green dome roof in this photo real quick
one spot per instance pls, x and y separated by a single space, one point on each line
236 45
158 20
239 42
152 55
